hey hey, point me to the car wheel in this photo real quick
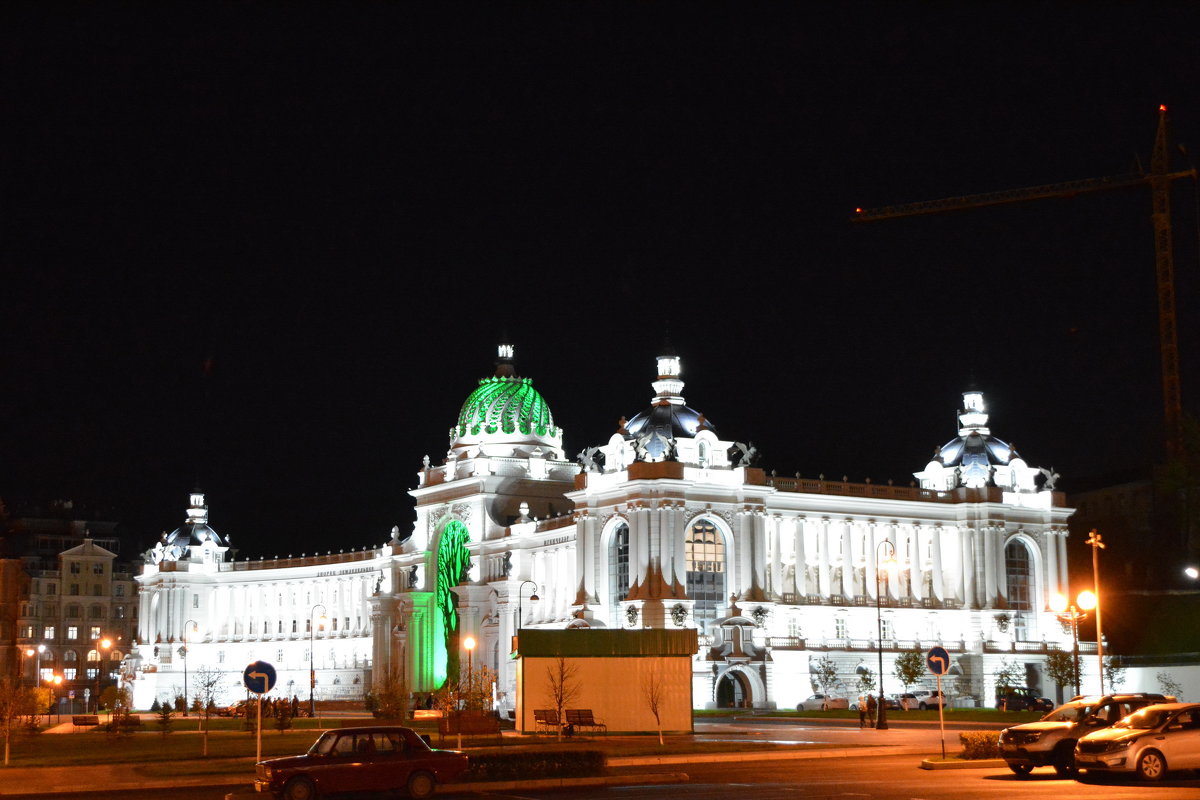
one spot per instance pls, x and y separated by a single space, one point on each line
299 789
1021 769
1151 766
923 707
1064 761
421 785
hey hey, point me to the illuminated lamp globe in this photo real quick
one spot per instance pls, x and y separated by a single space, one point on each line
1058 603
1192 572
1087 600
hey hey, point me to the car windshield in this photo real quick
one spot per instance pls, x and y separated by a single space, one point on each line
323 744
1144 720
1069 713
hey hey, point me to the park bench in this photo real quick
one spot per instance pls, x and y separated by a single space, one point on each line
545 720
578 718
468 724
85 720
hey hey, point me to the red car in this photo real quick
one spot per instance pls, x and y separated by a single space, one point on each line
361 760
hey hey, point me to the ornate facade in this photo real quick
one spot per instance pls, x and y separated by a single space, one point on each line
665 525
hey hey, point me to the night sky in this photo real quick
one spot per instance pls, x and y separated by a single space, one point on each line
271 249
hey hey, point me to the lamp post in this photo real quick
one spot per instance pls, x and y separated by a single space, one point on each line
469 643
881 723
101 647
57 681
533 598
184 652
312 662
36 653
1096 545
1069 612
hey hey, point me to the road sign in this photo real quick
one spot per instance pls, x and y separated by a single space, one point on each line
938 660
259 677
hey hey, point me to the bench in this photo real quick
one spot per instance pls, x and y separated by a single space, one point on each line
545 720
582 718
85 720
467 724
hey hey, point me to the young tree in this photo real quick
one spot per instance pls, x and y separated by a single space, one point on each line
564 688
15 701
825 673
652 693
1060 668
1168 685
390 700
283 717
165 712
1008 677
866 681
910 666
1114 673
208 681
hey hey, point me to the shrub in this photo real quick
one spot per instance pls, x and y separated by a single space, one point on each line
535 764
980 744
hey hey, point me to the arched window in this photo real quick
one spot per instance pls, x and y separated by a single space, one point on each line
93 655
705 552
1018 570
618 563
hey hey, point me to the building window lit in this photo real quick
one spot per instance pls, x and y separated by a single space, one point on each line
69 673
72 633
95 632
1018 573
49 632
839 628
704 549
618 564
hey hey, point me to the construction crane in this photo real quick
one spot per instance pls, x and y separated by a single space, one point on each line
1159 178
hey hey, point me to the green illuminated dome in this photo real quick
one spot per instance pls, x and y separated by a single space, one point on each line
505 408
505 405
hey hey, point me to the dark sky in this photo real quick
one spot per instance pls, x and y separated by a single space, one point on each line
340 208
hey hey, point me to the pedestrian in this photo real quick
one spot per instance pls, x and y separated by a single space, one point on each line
871 710
862 712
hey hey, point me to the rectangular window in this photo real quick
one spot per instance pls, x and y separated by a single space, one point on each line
887 629
75 568
52 588
92 672
279 656
27 632
295 626
119 590
97 569
335 623
839 628
97 589
69 673
49 632
74 590
72 633
119 612
308 625
195 601
220 656
95 632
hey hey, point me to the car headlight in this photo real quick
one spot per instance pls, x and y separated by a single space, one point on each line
1120 744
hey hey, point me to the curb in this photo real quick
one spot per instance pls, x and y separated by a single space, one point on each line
979 763
649 779
771 755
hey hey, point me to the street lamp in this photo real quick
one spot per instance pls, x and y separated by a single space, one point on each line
101 647
1191 572
183 650
469 643
36 653
881 723
1069 612
533 598
57 681
312 663
1096 545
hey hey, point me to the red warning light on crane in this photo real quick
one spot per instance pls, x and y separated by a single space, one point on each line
1162 108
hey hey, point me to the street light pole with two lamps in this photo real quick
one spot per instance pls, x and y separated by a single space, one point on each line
183 650
1094 541
1072 613
469 644
312 663
102 647
881 721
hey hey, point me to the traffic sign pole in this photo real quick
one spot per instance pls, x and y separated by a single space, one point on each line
941 718
938 661
258 737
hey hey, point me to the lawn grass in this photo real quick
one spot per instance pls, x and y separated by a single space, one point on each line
951 715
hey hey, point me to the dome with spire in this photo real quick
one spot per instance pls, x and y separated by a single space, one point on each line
667 414
195 531
505 408
975 458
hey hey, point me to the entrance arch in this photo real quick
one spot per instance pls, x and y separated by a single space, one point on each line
738 687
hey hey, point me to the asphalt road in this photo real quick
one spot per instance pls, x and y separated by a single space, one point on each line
875 778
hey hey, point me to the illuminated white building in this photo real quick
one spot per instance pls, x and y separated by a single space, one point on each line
665 525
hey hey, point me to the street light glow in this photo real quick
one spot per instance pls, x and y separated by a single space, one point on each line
1192 572
1058 603
469 643
1086 600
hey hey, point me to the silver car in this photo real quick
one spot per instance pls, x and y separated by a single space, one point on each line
1149 742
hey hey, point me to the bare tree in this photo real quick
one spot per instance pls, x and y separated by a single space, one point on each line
564 688
15 701
652 693
825 673
208 680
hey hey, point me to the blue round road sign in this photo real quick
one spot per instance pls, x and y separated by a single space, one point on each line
259 677
938 660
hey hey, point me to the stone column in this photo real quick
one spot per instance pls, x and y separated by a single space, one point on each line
939 578
870 573
916 573
800 585
1050 570
823 576
989 565
775 558
847 588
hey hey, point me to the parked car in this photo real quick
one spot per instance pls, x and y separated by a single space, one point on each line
1050 742
927 698
361 759
1023 700
890 701
822 702
1149 742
